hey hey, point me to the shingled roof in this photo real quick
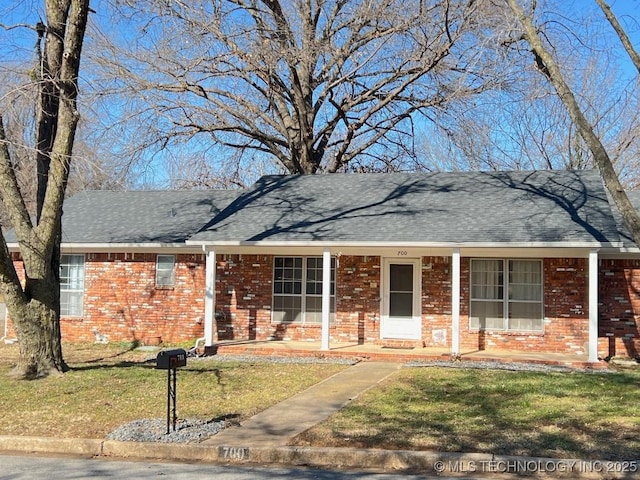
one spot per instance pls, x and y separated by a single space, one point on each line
137 217
473 208
555 208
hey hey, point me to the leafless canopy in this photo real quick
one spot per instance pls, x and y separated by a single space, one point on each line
311 83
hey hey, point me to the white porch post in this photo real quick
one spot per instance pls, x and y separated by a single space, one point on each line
455 302
209 298
326 298
593 306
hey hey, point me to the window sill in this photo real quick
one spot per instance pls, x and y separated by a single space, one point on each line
165 287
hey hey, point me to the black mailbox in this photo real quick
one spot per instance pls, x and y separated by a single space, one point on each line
168 359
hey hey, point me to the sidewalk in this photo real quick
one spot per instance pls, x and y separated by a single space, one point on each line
276 425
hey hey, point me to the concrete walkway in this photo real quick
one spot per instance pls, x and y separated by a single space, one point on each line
276 425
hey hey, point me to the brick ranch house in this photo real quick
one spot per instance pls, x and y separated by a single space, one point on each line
518 261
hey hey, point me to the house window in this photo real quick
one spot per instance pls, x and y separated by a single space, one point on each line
71 285
297 289
165 270
506 295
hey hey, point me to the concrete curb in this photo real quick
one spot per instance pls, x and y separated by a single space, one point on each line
69 446
390 461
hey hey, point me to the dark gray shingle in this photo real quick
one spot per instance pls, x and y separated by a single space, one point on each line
468 207
139 216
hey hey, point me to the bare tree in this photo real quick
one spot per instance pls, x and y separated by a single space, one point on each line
34 304
524 125
622 35
547 65
312 84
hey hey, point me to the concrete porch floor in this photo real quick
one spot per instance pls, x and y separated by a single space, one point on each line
370 351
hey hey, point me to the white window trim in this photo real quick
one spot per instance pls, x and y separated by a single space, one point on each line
505 293
74 290
303 302
173 272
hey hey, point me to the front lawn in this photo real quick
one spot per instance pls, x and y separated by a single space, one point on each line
112 385
565 415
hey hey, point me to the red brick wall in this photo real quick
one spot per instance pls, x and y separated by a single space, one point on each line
566 324
619 308
243 297
122 302
357 300
436 301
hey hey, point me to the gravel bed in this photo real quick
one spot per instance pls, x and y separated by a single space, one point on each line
155 430
278 359
515 367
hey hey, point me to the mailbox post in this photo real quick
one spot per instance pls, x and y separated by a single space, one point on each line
170 360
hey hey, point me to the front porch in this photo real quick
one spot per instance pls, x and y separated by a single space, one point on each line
372 352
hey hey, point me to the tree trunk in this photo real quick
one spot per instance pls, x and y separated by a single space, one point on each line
37 324
38 328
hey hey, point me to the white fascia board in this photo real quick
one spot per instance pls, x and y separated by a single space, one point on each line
619 253
120 247
321 244
407 249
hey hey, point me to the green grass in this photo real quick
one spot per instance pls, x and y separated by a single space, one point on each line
566 415
112 385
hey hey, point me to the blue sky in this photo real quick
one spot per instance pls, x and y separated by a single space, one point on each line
16 44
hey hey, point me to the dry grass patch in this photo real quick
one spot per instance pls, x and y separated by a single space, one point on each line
566 415
110 385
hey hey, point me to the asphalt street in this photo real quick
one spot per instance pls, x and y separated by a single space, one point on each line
13 467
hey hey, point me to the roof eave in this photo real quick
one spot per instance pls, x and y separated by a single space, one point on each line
320 243
100 247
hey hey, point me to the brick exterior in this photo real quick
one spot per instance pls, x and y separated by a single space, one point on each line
619 308
122 302
566 317
436 301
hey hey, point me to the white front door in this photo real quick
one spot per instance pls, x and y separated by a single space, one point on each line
401 316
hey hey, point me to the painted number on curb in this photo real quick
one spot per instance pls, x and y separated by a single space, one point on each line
234 453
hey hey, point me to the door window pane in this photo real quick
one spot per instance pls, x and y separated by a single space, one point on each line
400 304
400 278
